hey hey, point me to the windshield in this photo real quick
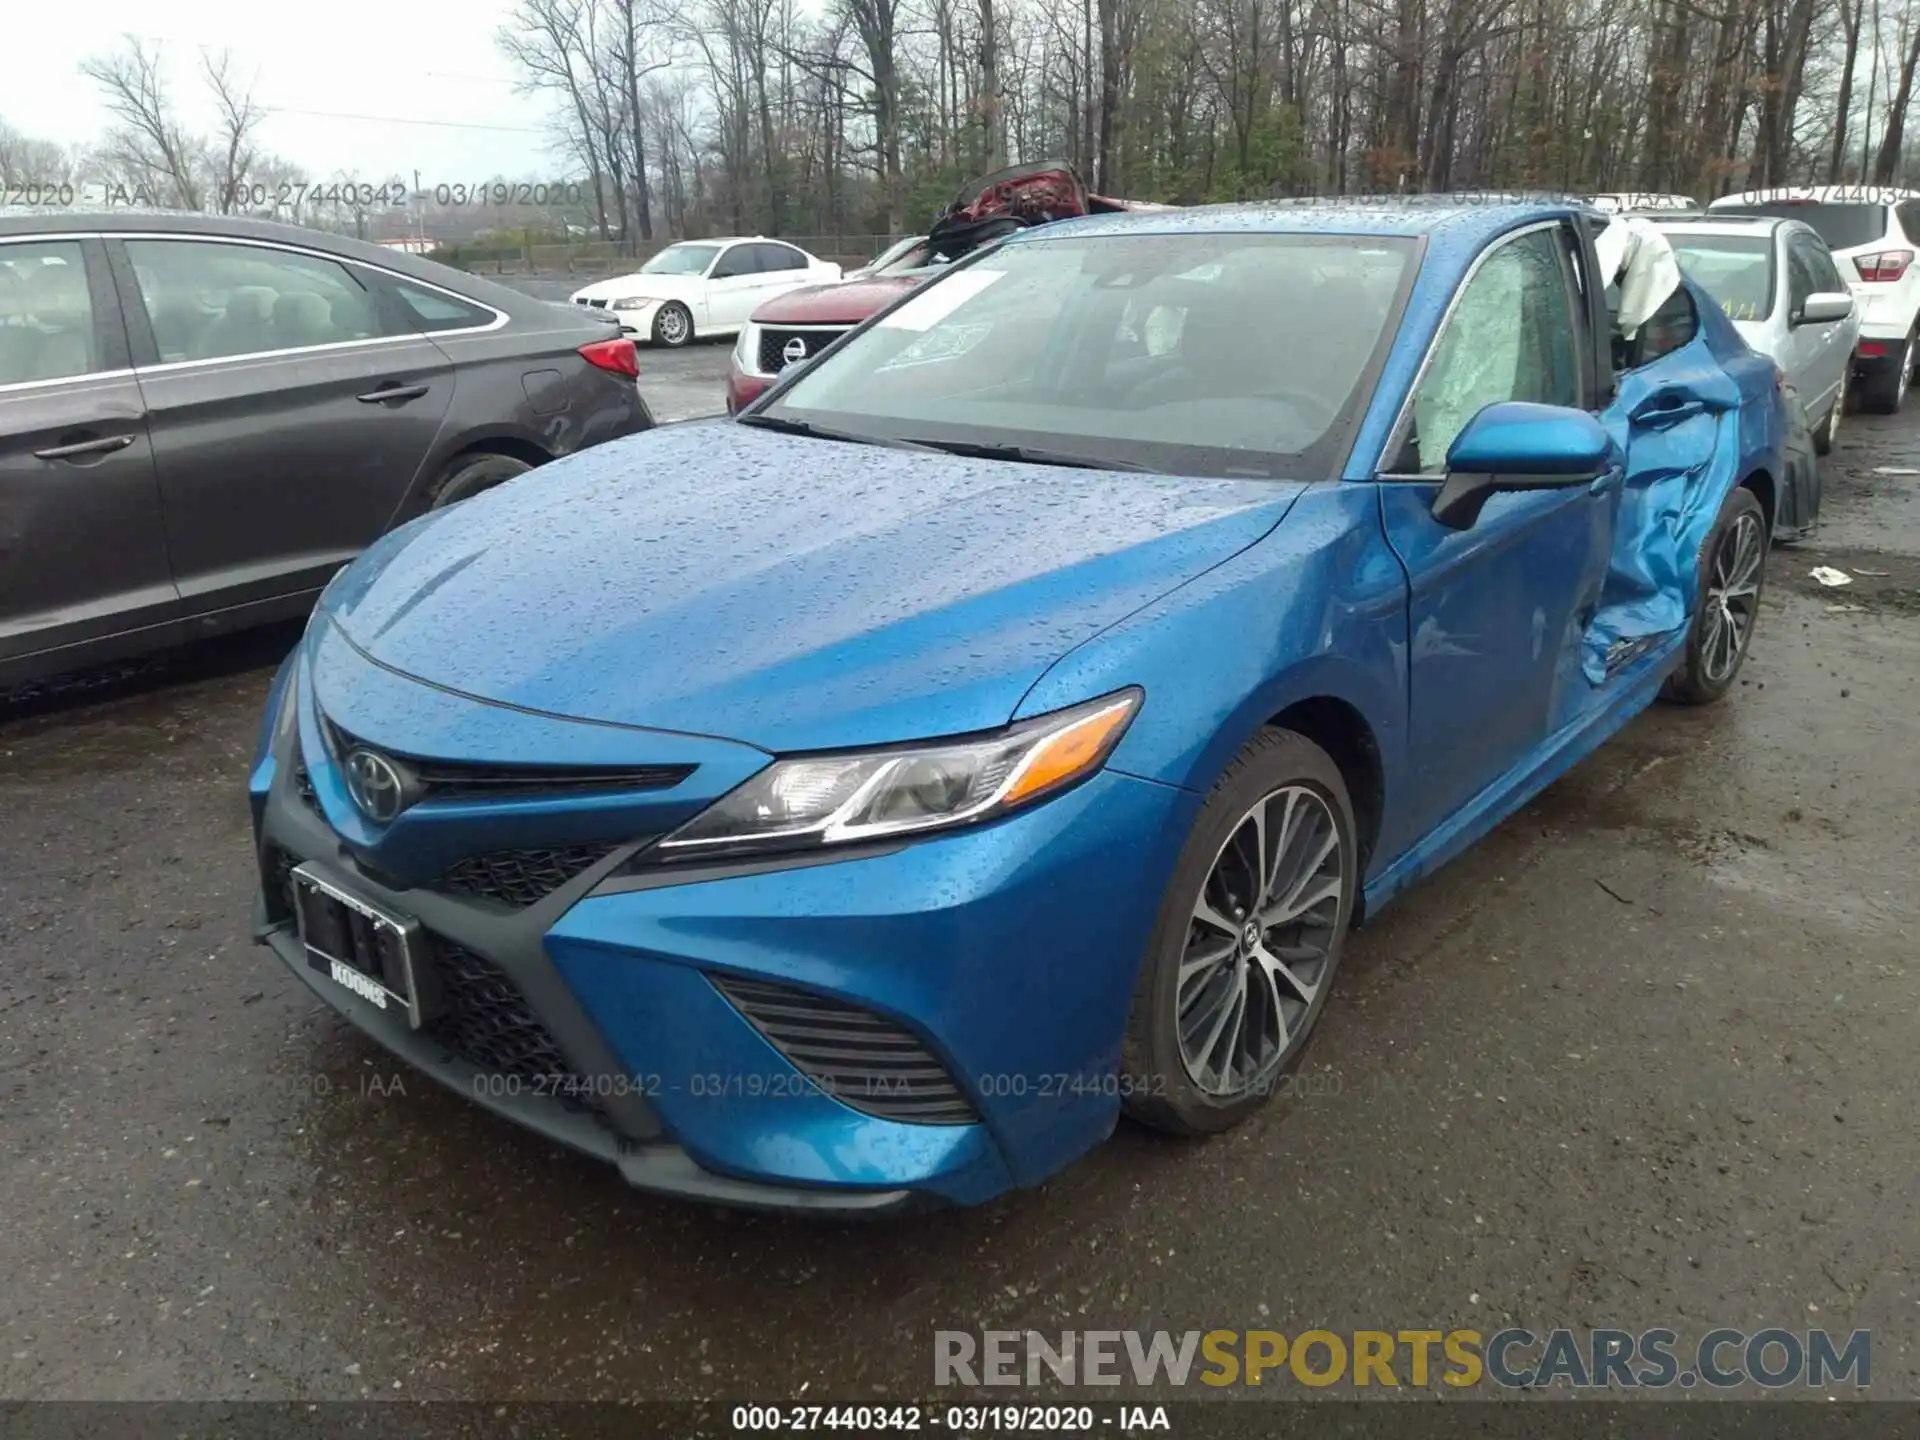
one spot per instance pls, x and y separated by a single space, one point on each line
1231 354
905 254
681 260
1736 270
1841 226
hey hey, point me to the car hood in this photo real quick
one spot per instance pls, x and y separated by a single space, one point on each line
845 304
651 287
792 593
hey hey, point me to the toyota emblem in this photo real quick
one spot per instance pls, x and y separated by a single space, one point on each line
794 350
375 785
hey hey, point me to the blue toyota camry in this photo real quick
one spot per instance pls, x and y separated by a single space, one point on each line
997 727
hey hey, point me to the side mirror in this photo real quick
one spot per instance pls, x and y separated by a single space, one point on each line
1824 307
1516 445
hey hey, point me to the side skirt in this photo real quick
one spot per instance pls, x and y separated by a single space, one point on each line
1636 691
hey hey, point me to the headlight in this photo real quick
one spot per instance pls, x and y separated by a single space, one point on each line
843 799
632 302
746 350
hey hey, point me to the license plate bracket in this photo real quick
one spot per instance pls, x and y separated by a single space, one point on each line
362 947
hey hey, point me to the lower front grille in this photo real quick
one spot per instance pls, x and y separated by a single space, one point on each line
483 1018
775 354
279 892
862 1059
522 877
303 787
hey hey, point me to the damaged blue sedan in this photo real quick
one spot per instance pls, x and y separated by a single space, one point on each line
861 803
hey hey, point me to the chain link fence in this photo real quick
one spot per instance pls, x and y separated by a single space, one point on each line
590 259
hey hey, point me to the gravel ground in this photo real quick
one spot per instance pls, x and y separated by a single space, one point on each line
1644 1057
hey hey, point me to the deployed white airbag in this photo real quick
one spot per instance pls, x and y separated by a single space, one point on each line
1637 255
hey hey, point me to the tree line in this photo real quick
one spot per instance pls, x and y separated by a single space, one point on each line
868 114
691 117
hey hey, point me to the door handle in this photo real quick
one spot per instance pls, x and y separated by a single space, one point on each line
104 446
393 392
1668 409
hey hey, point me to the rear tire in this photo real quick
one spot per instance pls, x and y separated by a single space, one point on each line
1733 573
1885 391
468 475
1264 936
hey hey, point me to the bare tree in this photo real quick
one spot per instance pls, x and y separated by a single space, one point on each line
29 160
233 142
148 141
1888 160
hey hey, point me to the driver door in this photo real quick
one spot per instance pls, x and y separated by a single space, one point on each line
1496 611
733 287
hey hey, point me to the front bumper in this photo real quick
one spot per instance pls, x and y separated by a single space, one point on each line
743 389
1008 953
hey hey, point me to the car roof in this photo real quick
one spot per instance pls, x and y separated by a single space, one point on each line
1855 194
1463 219
1726 224
190 223
1642 201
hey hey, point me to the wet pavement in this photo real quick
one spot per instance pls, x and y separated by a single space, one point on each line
1644 1057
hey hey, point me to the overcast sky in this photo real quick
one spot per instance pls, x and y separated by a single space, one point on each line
380 87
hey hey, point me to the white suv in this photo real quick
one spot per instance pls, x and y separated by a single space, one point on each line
1874 233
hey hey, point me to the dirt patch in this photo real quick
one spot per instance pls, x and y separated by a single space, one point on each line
1882 582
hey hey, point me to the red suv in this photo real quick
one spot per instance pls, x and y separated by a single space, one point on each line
800 324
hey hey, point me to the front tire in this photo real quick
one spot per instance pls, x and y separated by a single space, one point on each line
1828 435
1733 572
1243 956
672 325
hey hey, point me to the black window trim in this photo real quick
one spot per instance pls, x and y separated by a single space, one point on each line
793 250
1804 240
109 330
713 269
133 303
1403 421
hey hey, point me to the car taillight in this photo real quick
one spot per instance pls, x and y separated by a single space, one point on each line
1886 265
618 357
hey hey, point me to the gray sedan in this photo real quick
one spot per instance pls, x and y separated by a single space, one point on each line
1779 285
203 418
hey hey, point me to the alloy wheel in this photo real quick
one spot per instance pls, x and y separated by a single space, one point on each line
1839 406
1733 592
673 325
1260 942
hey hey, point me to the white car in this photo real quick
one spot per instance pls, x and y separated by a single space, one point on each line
1621 202
1779 284
704 287
1874 233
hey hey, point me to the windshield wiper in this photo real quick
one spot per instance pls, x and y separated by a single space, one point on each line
786 426
980 450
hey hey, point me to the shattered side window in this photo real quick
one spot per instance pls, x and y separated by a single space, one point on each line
1511 337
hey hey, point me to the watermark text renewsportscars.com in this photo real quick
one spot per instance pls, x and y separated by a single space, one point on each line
1512 1358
